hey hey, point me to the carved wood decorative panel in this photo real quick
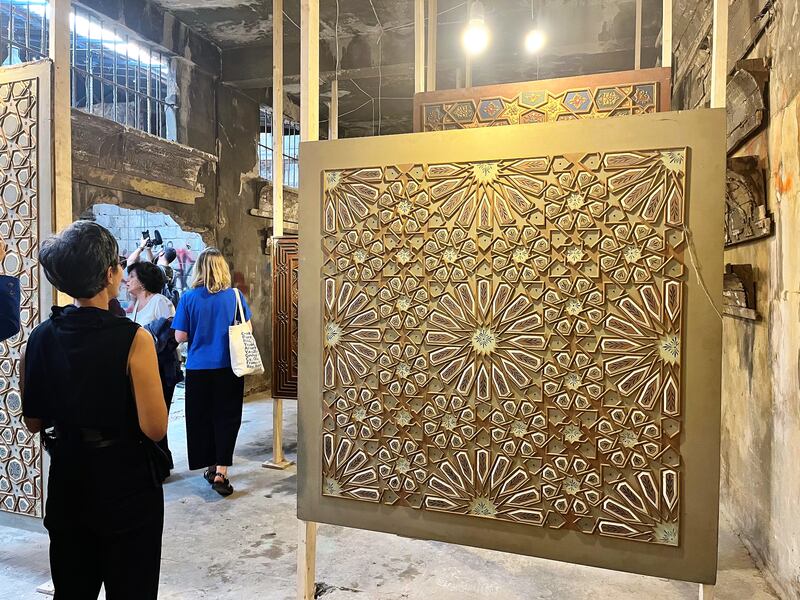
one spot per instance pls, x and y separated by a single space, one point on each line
569 98
284 319
25 121
502 337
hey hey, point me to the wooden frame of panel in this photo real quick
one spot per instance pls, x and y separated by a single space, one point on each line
702 134
284 317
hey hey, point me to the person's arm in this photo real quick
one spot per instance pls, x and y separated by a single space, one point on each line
134 257
34 424
150 405
181 322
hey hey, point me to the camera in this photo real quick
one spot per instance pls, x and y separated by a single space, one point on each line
156 239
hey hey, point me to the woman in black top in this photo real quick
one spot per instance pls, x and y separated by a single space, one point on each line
91 385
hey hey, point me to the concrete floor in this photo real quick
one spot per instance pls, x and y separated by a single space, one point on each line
243 547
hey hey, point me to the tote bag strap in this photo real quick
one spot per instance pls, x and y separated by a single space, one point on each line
239 314
135 311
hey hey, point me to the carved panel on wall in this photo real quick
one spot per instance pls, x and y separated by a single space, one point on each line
585 97
739 292
284 320
24 218
746 95
746 214
503 339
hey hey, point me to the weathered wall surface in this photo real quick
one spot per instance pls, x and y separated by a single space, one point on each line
761 360
221 179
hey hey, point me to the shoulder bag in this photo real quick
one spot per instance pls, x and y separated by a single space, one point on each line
245 357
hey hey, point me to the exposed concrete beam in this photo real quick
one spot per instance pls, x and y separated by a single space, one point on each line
245 67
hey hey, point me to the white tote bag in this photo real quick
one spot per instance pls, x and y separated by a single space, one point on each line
245 357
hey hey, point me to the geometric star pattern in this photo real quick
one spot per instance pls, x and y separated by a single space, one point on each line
539 106
20 455
503 339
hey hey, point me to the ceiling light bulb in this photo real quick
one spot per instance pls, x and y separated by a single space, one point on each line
535 41
476 37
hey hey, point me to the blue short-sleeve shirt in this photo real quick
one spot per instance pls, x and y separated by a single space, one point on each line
206 318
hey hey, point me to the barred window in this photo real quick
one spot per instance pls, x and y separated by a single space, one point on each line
291 148
114 75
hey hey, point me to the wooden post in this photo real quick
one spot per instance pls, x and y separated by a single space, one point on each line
666 34
719 54
433 20
309 70
706 592
419 46
309 132
468 72
278 459
306 560
333 112
62 115
637 59
277 125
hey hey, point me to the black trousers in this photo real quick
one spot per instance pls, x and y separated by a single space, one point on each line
105 517
214 399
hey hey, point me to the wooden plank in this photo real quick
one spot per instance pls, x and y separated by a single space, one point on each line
110 155
306 560
62 122
719 54
637 46
666 34
419 46
309 67
433 23
333 112
706 592
277 118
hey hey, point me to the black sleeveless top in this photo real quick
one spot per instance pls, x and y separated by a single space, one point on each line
76 372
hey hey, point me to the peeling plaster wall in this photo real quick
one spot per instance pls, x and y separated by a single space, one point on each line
761 360
218 120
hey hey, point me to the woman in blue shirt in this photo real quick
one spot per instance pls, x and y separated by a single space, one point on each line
214 395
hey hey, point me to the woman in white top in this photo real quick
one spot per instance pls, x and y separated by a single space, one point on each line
145 282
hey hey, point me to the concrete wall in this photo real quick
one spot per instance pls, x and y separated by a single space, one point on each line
761 360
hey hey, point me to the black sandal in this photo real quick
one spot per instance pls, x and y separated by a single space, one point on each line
209 476
224 487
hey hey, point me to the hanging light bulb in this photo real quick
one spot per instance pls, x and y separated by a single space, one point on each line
476 36
535 41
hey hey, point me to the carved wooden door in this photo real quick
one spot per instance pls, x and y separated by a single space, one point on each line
284 317
25 213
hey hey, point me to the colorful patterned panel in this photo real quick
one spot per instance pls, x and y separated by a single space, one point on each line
24 120
504 339
589 97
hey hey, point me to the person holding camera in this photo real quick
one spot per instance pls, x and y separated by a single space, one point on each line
90 386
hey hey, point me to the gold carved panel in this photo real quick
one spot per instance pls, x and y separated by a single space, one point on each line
503 339
25 179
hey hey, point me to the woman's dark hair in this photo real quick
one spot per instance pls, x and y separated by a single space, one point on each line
151 276
77 260
170 255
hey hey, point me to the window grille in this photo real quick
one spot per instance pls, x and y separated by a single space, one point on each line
291 149
114 75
